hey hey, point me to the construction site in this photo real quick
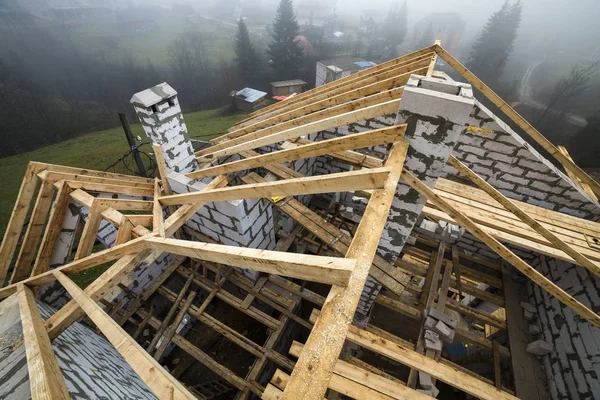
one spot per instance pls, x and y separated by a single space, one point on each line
382 236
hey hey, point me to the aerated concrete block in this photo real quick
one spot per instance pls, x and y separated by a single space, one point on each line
425 380
539 348
445 318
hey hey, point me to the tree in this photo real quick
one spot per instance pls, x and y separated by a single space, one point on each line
245 55
395 25
495 43
585 144
567 89
285 52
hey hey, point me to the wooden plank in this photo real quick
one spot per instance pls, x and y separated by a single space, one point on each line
90 231
313 370
443 296
512 207
162 384
328 270
122 188
17 218
170 332
352 157
349 142
92 173
517 119
158 223
359 383
456 264
45 377
527 372
255 139
33 233
339 182
70 312
501 250
44 256
574 177
443 372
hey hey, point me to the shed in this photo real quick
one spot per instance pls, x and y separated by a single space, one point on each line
331 70
248 99
285 88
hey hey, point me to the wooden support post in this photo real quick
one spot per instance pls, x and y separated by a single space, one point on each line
158 223
17 218
152 373
44 256
505 253
313 370
497 370
34 231
443 295
456 264
90 231
170 332
45 377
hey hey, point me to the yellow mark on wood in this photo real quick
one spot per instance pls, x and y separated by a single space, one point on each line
476 129
277 198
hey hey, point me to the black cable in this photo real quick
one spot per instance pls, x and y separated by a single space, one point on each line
129 163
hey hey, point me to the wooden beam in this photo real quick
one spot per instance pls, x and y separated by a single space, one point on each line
523 216
162 384
529 379
574 177
518 119
339 182
158 223
313 370
443 372
328 270
17 218
433 59
90 231
45 377
133 246
349 142
35 227
44 256
70 312
501 250
256 139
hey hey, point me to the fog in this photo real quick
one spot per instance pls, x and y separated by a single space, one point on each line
67 70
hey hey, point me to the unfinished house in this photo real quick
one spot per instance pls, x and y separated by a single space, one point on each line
383 236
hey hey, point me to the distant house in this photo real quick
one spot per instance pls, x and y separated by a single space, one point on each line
285 88
248 99
332 70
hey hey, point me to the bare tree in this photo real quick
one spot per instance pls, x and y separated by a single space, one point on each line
568 88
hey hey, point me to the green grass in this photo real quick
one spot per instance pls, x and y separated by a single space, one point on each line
97 151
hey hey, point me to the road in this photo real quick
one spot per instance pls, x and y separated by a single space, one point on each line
525 95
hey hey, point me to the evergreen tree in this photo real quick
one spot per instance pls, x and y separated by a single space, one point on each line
395 25
285 52
245 55
495 43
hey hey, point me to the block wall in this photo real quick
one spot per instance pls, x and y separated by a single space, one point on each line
573 367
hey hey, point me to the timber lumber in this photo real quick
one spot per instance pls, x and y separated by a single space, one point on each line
574 177
527 372
518 119
328 270
152 373
523 216
409 357
354 78
349 156
375 137
45 377
259 139
374 386
338 182
312 373
333 237
504 252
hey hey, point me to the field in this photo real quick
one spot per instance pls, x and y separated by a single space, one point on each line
98 151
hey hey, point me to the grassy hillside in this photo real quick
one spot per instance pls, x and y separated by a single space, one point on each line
97 151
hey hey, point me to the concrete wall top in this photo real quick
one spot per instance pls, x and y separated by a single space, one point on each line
151 96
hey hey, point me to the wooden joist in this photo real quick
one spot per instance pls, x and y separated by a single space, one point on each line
45 377
349 142
339 182
152 373
505 253
314 268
